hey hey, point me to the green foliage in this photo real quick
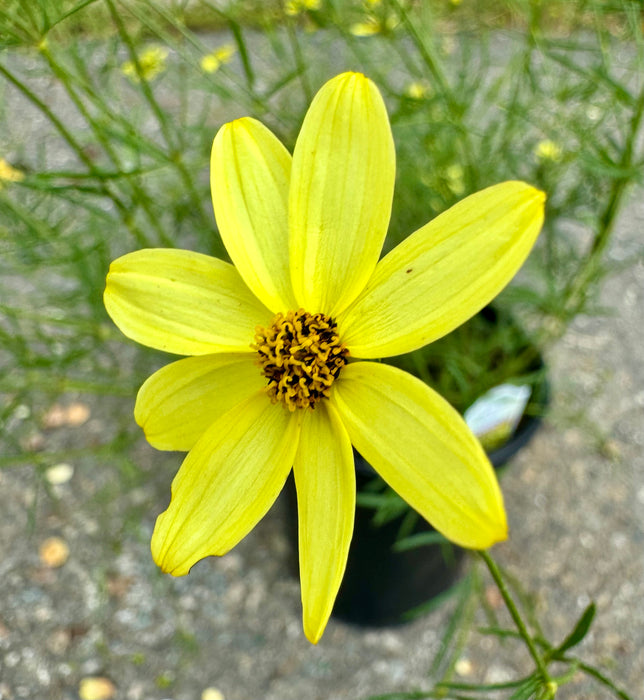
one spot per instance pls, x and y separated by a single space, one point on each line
540 684
579 631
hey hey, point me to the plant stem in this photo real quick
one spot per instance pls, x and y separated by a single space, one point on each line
174 154
300 63
140 195
516 616
578 288
455 108
125 214
604 680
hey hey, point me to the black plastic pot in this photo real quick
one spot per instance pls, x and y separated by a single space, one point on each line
381 585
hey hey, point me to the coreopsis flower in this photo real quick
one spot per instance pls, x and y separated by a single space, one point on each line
454 175
418 90
548 150
282 372
152 62
372 25
368 27
212 62
297 7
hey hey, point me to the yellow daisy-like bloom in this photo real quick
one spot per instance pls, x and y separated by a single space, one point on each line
297 7
152 62
369 27
279 376
212 62
548 150
454 174
418 90
374 25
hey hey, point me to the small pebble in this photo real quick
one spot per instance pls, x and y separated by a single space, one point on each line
212 694
611 449
22 412
77 414
53 552
59 474
73 415
96 688
55 417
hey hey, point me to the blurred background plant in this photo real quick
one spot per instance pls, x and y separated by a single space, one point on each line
107 113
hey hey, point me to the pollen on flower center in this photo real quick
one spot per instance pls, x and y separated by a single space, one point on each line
301 356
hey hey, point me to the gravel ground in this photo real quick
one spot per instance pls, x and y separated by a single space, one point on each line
91 604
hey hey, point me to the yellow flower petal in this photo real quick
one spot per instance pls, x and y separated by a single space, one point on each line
226 484
177 404
326 494
182 302
369 27
152 61
445 272
341 190
249 179
9 174
423 449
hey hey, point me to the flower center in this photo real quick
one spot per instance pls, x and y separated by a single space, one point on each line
301 356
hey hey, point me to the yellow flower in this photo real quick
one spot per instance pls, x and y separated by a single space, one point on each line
548 150
212 62
280 375
374 25
296 7
418 90
152 62
369 27
455 178
9 174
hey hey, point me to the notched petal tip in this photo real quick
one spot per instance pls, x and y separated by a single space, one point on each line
228 132
359 84
112 271
349 75
164 552
152 437
233 125
159 550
